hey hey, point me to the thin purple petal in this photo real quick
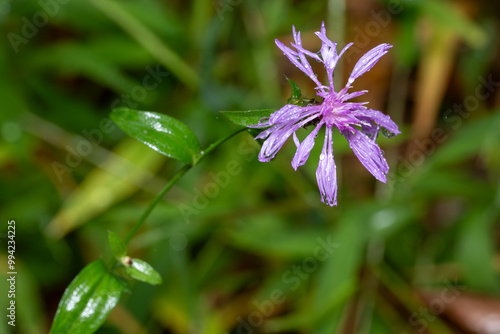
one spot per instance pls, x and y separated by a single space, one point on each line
353 95
368 153
291 55
304 148
369 128
383 120
301 63
278 135
326 41
296 140
367 61
326 174
289 112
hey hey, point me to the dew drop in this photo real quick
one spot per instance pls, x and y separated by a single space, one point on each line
322 157
264 120
386 133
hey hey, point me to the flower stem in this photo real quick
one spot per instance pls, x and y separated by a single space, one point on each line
157 199
176 178
214 145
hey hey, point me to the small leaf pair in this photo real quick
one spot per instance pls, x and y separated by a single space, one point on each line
96 290
135 268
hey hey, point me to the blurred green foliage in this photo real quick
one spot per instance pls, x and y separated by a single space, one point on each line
241 246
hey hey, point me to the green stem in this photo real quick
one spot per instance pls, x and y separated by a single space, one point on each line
214 145
157 199
176 178
149 41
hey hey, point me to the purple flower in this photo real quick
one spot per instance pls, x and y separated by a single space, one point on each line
357 123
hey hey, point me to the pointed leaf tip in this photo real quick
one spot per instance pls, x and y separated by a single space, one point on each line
249 117
296 92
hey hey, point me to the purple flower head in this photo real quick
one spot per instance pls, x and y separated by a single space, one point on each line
356 122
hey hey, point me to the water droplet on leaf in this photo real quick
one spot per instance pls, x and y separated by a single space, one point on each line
264 120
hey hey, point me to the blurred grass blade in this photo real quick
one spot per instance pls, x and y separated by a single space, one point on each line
143 271
117 245
87 301
115 11
72 59
471 140
407 296
337 276
162 133
101 188
448 15
435 69
249 117
476 250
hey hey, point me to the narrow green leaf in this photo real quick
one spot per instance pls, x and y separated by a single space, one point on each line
475 249
87 301
142 271
296 93
162 133
337 276
249 117
117 245
448 15
104 186
471 139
